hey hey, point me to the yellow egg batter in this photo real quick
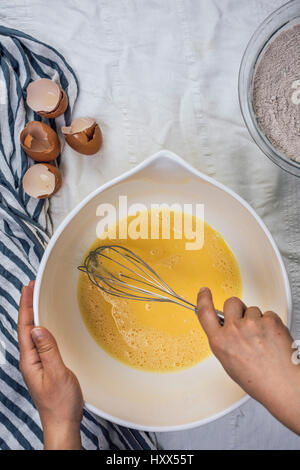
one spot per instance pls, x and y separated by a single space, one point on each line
161 337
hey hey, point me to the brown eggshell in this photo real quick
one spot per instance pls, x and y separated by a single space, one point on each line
40 92
58 179
40 142
61 108
87 142
30 180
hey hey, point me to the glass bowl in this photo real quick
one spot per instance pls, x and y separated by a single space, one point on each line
285 17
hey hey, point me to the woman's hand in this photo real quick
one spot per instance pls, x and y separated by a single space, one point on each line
256 351
54 389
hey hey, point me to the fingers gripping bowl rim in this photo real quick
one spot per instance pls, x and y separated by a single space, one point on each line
142 400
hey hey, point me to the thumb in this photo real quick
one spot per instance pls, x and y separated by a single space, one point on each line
47 349
206 312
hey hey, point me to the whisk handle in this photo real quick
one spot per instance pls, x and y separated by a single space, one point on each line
220 316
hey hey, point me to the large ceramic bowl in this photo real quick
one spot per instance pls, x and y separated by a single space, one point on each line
133 398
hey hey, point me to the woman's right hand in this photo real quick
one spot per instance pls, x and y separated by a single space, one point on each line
256 351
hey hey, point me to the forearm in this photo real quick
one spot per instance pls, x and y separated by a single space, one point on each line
284 403
62 436
278 390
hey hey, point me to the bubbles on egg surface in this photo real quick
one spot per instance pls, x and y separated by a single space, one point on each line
170 262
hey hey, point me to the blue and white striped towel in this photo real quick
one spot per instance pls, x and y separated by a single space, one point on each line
25 228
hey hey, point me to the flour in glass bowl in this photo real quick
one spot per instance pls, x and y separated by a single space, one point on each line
276 92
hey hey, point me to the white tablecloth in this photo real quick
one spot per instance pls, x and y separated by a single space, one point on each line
163 74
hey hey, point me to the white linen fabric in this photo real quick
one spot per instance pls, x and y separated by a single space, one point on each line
163 74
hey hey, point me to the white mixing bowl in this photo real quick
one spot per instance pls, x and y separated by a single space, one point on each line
133 398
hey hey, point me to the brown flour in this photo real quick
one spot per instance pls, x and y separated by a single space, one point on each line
276 92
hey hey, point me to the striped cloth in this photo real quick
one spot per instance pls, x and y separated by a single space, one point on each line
25 228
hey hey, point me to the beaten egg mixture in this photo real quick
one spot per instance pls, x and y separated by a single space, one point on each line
154 336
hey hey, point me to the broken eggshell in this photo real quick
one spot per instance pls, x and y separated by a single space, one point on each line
40 142
42 180
46 98
83 135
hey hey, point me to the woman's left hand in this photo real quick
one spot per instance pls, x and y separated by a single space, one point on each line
54 388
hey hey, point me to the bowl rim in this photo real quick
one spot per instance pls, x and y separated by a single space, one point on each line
162 154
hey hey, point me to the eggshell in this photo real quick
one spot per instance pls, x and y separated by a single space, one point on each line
46 98
40 142
84 135
80 124
61 108
42 180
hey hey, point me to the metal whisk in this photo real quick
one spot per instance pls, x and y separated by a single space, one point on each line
120 272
